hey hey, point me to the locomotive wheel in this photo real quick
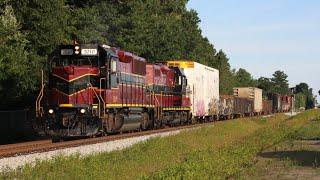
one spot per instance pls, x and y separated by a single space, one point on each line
118 121
110 124
145 121
151 120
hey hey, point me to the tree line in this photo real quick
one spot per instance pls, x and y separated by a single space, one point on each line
154 29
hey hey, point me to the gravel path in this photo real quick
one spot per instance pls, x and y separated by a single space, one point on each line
292 113
18 161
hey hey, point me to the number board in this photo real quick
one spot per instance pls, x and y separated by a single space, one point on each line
89 52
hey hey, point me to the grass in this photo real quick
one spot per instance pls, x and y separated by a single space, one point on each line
310 131
297 157
224 151
232 160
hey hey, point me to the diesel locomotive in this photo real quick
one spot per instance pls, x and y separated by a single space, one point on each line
96 89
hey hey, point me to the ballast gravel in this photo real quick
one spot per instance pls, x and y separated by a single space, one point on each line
85 150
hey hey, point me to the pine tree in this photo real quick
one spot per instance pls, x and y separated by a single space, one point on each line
227 80
244 79
280 82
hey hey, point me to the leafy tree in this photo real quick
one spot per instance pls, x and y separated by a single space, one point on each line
152 29
45 22
16 77
163 30
90 21
300 100
302 88
280 82
310 101
319 92
157 30
265 84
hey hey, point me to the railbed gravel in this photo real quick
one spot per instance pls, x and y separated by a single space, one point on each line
85 150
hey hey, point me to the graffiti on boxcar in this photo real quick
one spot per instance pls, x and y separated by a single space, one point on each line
200 108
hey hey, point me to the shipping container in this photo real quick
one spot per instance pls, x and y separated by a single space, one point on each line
242 106
252 93
267 107
202 88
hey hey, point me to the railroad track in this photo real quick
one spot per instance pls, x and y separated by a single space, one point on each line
46 145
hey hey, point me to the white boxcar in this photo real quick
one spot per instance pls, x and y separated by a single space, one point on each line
251 93
203 87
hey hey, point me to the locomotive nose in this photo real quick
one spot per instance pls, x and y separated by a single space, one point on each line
69 70
71 85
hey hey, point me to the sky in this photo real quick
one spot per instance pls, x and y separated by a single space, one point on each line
266 36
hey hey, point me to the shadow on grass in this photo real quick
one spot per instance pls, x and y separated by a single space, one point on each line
310 139
302 158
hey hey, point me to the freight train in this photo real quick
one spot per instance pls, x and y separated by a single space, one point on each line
97 89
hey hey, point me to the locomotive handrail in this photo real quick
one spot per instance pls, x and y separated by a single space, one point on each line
39 98
101 85
99 99
38 101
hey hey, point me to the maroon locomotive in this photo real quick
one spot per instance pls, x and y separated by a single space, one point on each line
96 89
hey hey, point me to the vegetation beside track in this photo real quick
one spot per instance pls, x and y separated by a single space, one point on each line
298 157
222 151
236 158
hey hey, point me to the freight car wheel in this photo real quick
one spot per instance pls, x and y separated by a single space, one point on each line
190 118
55 139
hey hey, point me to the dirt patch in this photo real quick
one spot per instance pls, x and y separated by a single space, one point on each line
289 160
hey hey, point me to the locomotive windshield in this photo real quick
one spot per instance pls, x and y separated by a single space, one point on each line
75 61
72 67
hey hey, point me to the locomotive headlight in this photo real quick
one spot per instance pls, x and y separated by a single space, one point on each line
82 111
77 50
50 111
